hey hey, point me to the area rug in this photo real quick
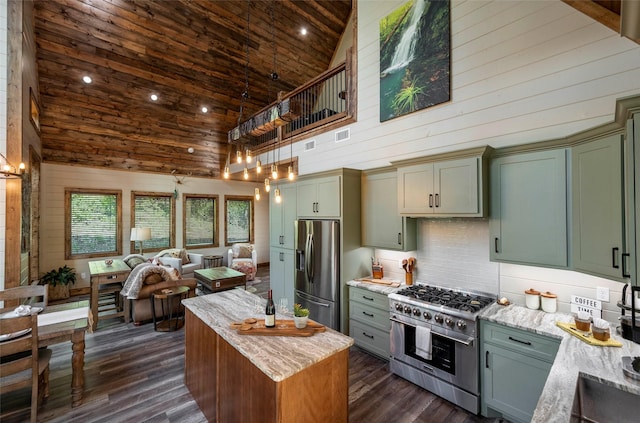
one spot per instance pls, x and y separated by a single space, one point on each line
250 287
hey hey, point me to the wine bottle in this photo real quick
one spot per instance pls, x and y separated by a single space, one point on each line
270 319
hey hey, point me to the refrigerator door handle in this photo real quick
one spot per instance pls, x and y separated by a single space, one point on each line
306 298
309 259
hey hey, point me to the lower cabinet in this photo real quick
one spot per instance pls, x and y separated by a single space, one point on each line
514 368
369 323
282 274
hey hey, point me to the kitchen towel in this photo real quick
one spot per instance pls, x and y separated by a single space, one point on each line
423 342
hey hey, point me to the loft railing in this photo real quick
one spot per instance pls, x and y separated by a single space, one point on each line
315 105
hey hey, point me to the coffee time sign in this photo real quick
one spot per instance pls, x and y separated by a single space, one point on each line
591 306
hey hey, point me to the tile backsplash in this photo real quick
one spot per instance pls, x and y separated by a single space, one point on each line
455 253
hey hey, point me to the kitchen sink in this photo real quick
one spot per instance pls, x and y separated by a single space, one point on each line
597 402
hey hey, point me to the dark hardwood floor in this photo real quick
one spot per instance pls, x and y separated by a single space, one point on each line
134 374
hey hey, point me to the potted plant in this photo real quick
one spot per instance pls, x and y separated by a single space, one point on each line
59 280
300 316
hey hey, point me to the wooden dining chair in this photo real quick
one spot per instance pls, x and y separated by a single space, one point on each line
34 295
22 364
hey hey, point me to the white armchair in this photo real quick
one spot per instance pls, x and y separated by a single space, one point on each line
243 258
177 261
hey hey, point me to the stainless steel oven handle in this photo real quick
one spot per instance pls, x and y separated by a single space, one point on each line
468 343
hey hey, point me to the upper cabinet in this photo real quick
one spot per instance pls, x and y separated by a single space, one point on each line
632 174
528 223
319 197
598 228
443 187
282 217
382 225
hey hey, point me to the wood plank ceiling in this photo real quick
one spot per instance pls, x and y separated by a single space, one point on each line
191 53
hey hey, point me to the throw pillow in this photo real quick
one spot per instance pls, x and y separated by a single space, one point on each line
134 261
180 253
244 251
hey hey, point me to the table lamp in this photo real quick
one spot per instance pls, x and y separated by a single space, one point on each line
140 234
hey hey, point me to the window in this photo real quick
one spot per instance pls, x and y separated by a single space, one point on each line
93 221
156 211
200 223
238 219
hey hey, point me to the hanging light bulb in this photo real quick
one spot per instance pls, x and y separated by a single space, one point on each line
258 166
257 195
239 156
267 186
274 171
226 172
246 173
291 174
277 194
248 154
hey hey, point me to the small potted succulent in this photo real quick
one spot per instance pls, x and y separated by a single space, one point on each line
300 316
59 280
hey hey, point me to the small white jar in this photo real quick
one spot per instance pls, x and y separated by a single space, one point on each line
532 298
549 302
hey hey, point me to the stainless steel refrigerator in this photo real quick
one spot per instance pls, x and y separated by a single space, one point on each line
318 270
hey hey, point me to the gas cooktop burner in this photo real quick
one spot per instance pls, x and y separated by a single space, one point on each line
446 297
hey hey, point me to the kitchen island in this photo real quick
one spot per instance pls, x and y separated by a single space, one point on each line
249 378
574 359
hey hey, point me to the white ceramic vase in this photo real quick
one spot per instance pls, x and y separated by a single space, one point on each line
300 322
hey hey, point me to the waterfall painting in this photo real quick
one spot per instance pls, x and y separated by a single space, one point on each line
415 58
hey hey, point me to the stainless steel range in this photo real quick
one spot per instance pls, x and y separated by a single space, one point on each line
443 321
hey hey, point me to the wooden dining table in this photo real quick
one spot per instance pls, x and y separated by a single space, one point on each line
61 323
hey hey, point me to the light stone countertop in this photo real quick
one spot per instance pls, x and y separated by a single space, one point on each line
374 287
278 357
574 358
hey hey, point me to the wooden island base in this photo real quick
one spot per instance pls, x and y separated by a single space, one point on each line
229 388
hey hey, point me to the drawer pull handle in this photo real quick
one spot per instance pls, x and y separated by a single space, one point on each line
367 335
614 255
367 314
517 340
624 265
486 359
431 200
112 276
367 298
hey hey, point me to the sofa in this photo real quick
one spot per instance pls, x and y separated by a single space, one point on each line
181 260
243 258
145 278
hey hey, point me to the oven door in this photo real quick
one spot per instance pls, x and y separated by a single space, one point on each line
453 360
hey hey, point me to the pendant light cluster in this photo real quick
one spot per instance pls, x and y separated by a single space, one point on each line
244 155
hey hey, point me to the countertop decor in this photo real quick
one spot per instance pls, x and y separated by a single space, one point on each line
575 358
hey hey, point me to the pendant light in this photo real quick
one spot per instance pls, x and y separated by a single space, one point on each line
258 166
248 155
246 173
292 176
257 194
277 194
226 172
239 156
274 170
267 185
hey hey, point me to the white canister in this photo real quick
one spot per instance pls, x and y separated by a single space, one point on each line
549 302
532 298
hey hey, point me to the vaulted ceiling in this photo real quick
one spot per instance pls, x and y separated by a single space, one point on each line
190 53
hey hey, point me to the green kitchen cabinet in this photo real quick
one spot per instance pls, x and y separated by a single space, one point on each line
319 197
282 216
282 274
514 367
632 182
442 188
528 221
369 323
382 225
598 241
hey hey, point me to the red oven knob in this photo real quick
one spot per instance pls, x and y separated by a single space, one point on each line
438 318
427 315
461 324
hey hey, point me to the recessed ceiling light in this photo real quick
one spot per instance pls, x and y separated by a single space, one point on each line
154 97
303 31
204 109
87 79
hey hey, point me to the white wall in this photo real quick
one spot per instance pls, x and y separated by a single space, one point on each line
55 178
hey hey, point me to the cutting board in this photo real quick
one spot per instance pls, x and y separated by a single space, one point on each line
588 338
386 282
283 327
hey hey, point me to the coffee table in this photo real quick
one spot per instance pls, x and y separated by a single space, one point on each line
218 279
